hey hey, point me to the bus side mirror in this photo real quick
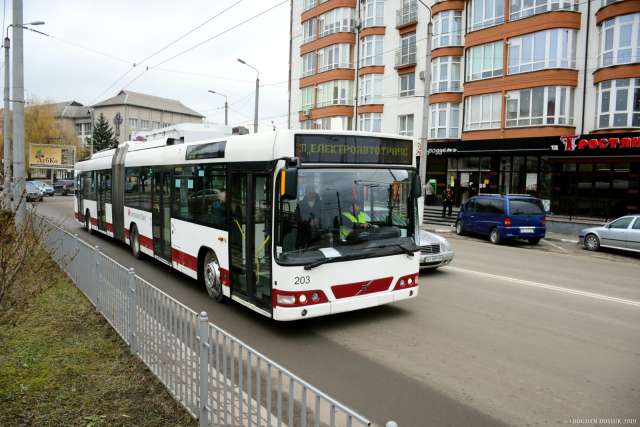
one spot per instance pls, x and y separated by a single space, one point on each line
289 183
416 186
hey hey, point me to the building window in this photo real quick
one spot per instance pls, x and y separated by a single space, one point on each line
608 2
308 4
549 105
408 84
484 61
308 64
405 124
445 74
334 56
330 123
371 51
406 55
370 89
445 121
306 124
133 123
307 98
373 13
340 20
482 111
447 29
336 92
370 122
522 8
485 13
544 49
309 30
408 13
619 104
620 40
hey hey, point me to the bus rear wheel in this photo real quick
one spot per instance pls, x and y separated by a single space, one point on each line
134 242
211 277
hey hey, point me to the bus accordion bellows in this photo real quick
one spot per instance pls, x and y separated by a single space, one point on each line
291 224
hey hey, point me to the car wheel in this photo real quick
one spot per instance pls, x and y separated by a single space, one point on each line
591 242
134 242
211 277
494 236
87 222
459 228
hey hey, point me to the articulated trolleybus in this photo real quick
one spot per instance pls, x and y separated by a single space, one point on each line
291 224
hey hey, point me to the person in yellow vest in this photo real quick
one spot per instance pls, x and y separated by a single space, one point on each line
356 218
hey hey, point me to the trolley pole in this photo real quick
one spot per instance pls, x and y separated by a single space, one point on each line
6 140
18 114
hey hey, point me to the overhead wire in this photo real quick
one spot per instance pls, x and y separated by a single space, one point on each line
119 79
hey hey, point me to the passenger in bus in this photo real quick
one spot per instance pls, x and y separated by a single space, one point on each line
309 218
218 210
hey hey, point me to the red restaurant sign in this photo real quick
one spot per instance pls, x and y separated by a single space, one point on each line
574 142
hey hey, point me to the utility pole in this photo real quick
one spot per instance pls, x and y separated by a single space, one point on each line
255 113
18 114
226 106
6 140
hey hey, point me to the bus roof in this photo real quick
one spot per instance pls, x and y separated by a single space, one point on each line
263 146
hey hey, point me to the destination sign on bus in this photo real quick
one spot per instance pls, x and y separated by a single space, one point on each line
353 149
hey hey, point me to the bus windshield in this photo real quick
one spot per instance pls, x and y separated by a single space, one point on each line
346 212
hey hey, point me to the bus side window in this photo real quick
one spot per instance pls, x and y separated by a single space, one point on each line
131 198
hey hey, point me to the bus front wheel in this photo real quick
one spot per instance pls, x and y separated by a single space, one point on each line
211 276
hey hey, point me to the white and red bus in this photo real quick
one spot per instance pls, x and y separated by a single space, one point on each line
291 224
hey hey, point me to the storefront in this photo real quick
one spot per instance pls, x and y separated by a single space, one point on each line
592 175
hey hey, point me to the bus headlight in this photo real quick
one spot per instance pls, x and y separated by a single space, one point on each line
302 298
315 297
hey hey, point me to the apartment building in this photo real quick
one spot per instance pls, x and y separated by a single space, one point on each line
522 96
356 65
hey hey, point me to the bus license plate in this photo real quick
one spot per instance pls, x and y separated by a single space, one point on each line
526 230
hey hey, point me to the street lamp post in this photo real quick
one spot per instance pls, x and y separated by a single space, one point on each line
226 106
6 141
7 146
19 172
255 113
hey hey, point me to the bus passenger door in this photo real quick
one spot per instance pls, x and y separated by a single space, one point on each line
101 187
250 238
161 213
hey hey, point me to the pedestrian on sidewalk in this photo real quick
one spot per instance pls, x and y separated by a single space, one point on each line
447 201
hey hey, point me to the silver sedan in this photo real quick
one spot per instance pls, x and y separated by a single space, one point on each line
435 251
621 233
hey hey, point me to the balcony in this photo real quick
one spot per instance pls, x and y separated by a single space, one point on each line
407 15
405 57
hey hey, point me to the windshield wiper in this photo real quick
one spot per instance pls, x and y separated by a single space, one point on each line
405 250
315 264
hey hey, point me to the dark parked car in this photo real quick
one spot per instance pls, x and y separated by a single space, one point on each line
64 186
501 217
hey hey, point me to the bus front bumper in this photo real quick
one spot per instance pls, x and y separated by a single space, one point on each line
340 306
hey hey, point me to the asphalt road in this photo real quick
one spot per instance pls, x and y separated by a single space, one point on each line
508 335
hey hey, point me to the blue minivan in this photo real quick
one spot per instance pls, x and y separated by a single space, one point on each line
502 217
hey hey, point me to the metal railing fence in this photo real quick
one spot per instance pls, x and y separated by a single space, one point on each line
218 379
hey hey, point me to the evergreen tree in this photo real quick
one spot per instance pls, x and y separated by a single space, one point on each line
102 135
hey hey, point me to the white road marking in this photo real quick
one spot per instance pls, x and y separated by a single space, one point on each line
547 286
554 245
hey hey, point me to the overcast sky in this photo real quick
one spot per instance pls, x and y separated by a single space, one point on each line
132 30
